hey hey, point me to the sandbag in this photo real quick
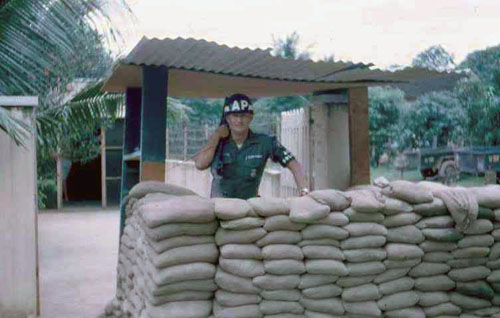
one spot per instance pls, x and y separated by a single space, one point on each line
367 268
478 289
242 267
178 273
336 200
486 213
436 222
333 218
443 235
390 275
284 267
434 283
398 300
390 264
180 296
467 302
188 285
281 294
235 284
282 251
467 262
401 219
394 206
479 226
320 231
229 299
323 252
408 192
171 230
323 291
280 237
231 209
399 251
471 252
369 241
243 223
281 223
362 309
356 216
429 269
428 299
331 306
437 257
183 209
488 196
141 189
363 229
434 208
484 240
494 277
274 282
270 206
180 309
396 286
361 293
444 309
245 311
239 251
462 206
365 255
322 242
366 201
494 252
182 240
352 281
433 246
413 312
273 307
223 236
493 264
305 209
206 253
312 280
326 267
409 234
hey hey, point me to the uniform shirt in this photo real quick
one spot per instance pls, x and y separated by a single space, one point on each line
237 172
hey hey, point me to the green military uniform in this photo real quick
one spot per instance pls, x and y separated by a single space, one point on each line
237 172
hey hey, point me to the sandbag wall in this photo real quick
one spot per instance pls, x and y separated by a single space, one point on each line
395 249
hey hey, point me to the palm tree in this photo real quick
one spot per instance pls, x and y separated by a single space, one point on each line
45 45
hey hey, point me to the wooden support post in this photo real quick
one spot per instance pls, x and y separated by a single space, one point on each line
131 140
59 182
104 195
359 135
185 139
154 122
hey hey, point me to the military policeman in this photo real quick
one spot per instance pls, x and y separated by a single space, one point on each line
237 156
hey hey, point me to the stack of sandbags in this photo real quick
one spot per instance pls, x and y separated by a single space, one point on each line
321 220
404 255
364 253
177 255
240 259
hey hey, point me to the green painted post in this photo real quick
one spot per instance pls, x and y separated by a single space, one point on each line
154 122
131 142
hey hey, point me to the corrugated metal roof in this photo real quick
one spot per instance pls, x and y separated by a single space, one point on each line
205 66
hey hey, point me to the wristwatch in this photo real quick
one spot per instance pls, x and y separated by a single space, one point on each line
304 191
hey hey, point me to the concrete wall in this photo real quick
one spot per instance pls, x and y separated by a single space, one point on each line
18 228
185 174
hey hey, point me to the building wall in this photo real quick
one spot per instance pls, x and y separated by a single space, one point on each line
18 230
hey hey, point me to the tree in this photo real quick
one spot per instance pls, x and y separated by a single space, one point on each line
384 112
435 119
434 58
486 65
288 48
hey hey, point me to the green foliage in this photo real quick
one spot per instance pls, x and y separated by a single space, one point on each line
203 110
435 119
486 65
482 110
288 47
384 112
46 193
434 58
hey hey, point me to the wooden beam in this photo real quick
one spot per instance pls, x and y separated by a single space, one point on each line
104 198
359 135
131 141
154 122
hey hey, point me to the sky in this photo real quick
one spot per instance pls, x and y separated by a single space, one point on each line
383 32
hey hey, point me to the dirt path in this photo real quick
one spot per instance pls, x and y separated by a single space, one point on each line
78 254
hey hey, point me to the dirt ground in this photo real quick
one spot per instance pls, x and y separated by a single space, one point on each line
78 251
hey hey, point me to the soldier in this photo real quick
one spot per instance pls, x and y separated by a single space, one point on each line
237 156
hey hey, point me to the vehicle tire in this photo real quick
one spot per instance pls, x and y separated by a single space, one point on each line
448 172
427 173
